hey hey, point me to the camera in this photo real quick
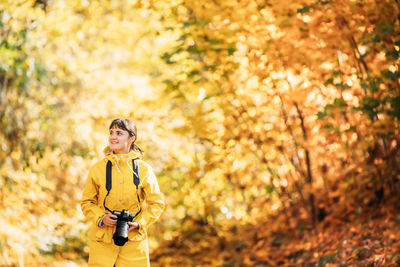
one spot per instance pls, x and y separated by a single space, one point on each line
121 232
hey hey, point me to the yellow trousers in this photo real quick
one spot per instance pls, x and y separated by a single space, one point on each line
132 254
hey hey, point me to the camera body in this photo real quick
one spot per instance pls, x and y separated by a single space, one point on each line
121 232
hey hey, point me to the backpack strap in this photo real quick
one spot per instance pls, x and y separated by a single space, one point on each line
108 183
136 181
108 176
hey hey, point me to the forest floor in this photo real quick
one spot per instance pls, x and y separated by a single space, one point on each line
357 227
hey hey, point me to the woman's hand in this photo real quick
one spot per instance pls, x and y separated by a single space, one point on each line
110 220
133 225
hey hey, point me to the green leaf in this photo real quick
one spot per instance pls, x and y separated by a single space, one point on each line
385 28
364 86
182 38
371 102
386 135
213 41
369 106
342 86
329 106
340 102
394 110
269 189
304 9
394 55
277 242
167 56
376 39
231 50
328 127
189 23
22 35
303 29
193 73
390 75
321 115
193 49
371 84
40 72
336 73
329 81
352 129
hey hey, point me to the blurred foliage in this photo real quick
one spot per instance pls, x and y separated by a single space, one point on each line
270 124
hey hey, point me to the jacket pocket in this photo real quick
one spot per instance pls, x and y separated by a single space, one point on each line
135 235
97 233
100 233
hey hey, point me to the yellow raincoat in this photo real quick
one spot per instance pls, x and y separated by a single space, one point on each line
103 251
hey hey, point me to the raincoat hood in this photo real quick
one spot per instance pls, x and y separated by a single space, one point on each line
109 155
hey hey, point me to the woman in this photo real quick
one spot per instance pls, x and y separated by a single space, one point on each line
124 158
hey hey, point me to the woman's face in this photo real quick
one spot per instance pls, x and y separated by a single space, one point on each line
119 140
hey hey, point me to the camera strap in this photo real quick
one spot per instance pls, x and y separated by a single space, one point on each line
136 181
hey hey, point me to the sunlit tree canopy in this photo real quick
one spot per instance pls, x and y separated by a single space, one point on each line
272 126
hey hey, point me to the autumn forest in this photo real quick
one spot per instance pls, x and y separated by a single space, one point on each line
272 127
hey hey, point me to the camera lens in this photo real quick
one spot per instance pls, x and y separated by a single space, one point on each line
121 233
